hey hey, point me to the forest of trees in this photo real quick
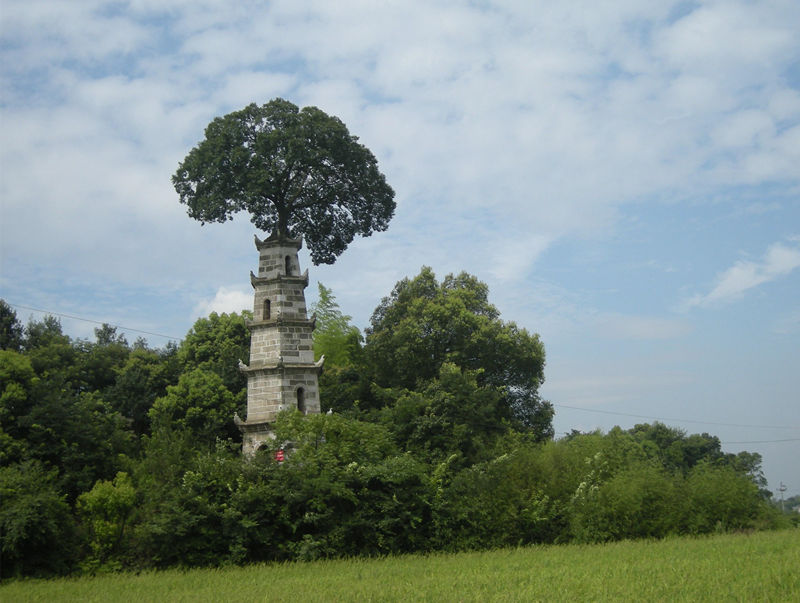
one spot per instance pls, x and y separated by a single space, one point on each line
118 456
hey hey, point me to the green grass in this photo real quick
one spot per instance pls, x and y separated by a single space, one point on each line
763 566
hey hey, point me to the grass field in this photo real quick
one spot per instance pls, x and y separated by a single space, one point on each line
763 566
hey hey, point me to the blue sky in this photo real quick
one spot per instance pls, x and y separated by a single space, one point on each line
623 175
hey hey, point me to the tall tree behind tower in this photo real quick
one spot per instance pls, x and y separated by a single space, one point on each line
296 171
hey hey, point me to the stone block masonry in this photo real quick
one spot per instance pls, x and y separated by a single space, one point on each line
282 373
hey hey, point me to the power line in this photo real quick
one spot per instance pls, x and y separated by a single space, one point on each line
763 441
567 433
625 414
595 410
97 322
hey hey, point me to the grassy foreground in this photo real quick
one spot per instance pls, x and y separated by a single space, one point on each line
764 566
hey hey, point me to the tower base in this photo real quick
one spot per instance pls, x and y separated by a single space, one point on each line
254 435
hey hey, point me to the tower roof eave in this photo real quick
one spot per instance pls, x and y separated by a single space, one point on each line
278 240
261 280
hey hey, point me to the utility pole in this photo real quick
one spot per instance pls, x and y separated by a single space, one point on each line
782 489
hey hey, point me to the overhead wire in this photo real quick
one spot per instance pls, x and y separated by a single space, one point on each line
97 322
567 433
763 441
594 410
625 414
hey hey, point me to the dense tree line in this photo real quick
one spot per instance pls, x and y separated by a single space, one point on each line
118 456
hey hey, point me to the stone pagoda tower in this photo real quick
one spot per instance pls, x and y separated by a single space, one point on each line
282 372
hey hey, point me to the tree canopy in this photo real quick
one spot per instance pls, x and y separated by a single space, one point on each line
10 328
334 336
296 171
424 324
115 456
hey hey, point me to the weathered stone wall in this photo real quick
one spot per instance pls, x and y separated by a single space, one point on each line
286 298
271 341
254 436
270 391
282 374
272 260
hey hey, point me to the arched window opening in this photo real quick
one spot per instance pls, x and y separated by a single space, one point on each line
288 265
301 400
267 309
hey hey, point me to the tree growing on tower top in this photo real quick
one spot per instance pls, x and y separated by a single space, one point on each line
296 171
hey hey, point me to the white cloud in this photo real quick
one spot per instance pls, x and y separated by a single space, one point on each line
779 260
513 257
481 100
226 300
728 36
51 31
489 120
744 128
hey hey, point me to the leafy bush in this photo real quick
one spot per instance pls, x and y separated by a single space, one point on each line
105 509
37 532
641 501
720 499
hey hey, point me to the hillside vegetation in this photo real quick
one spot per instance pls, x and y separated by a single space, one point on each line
116 456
